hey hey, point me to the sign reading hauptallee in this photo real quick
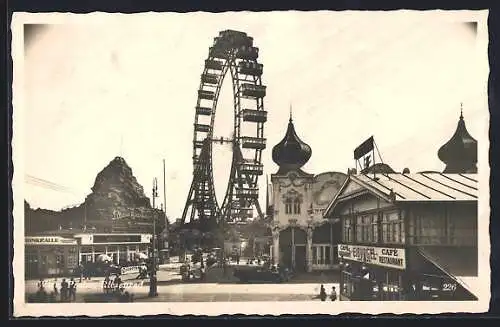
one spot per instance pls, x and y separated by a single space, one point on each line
40 240
385 257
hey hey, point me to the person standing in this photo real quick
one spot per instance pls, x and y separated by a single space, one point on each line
41 285
117 282
72 290
106 284
80 271
322 293
64 290
202 271
56 290
333 296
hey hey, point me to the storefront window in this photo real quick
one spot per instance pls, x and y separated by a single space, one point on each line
347 286
72 259
123 254
390 290
31 263
112 248
321 255
84 249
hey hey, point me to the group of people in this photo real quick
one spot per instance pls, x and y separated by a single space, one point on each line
65 291
111 285
323 295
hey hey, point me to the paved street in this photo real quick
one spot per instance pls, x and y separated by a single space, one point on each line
171 289
207 292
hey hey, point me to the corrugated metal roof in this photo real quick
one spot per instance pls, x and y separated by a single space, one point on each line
431 186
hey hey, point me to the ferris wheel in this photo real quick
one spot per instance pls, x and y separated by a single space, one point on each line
234 54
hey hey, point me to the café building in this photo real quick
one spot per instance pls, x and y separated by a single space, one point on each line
407 236
411 236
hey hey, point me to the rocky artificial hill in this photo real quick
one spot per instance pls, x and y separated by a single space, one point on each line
117 201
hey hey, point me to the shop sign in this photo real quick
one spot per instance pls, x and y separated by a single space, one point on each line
117 238
47 240
379 256
131 269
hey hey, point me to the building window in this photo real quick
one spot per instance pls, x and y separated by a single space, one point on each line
366 229
359 229
293 202
296 206
392 227
288 206
374 231
321 255
348 233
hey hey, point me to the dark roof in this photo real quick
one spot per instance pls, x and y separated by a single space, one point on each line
413 187
378 168
460 152
291 153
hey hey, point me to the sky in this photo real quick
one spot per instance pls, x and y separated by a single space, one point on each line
127 86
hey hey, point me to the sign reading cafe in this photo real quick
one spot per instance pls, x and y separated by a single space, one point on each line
385 257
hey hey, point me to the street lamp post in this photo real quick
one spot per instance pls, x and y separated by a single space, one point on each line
153 289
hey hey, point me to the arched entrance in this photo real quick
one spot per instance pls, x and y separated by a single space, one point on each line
292 245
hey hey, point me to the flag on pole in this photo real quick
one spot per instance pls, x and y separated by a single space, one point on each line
365 151
364 148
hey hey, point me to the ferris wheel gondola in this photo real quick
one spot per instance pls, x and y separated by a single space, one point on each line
232 53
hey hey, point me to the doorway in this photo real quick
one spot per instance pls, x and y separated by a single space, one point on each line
300 258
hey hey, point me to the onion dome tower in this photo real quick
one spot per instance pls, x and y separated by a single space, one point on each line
291 153
460 152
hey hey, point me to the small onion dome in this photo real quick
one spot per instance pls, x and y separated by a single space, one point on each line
460 152
291 153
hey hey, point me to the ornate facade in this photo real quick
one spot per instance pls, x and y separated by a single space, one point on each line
302 239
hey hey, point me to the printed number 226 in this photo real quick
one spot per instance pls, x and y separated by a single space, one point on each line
449 287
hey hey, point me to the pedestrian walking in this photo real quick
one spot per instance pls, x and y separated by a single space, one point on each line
333 296
64 290
72 290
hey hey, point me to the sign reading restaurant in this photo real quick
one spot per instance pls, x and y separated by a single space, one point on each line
385 257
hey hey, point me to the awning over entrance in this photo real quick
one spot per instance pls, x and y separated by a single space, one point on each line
456 261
